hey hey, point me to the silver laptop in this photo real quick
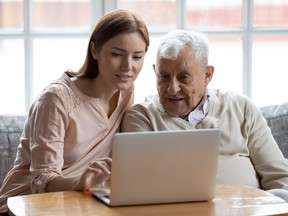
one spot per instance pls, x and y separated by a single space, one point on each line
162 167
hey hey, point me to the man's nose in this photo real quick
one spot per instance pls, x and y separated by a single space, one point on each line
173 87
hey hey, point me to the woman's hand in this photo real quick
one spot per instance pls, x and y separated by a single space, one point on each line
95 174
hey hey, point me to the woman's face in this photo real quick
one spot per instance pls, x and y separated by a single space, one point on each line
120 60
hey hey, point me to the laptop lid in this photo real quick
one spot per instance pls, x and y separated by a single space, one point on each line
162 167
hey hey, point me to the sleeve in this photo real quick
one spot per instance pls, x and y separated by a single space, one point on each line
47 131
267 158
135 119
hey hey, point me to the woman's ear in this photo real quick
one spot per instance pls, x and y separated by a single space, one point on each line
93 50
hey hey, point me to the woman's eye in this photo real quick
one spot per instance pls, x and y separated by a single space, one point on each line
137 57
116 54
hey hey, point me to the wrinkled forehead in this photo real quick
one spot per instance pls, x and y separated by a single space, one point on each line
184 57
176 56
172 51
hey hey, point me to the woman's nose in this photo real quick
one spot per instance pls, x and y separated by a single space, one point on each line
126 64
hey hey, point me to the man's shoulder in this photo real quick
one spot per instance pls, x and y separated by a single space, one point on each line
146 101
227 95
231 99
150 102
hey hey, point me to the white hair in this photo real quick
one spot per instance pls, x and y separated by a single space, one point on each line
175 40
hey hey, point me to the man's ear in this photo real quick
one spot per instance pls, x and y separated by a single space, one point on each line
154 68
93 50
209 74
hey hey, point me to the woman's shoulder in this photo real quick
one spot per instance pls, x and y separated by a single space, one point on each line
59 86
62 89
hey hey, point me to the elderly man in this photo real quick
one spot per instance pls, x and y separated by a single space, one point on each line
248 152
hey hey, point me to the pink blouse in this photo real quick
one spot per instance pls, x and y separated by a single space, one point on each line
64 131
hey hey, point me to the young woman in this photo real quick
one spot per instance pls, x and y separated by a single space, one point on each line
67 136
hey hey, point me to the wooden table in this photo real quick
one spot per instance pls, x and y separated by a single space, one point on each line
229 200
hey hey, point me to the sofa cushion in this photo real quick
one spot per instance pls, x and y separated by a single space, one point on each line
277 119
11 128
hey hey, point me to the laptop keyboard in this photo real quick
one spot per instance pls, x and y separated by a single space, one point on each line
106 193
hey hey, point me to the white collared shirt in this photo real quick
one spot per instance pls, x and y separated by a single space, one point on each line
201 111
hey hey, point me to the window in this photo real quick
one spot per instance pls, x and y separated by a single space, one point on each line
40 39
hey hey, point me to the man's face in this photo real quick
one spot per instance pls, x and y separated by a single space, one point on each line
181 83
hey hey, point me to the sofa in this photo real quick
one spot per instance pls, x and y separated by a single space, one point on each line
11 127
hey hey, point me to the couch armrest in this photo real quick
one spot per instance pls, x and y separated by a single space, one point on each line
277 120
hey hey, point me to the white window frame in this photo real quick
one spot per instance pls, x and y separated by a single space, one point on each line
100 7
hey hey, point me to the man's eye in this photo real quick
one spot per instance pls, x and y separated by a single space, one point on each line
184 78
163 76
